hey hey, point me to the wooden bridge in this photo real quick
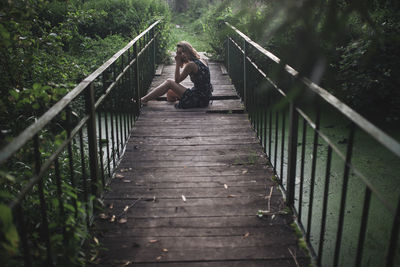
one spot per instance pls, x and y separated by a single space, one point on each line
192 182
252 180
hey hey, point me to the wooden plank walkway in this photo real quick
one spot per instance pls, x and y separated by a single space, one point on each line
193 181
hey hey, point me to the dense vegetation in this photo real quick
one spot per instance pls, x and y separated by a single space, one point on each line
358 43
47 48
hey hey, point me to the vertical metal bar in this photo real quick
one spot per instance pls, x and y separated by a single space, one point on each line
276 142
154 50
108 144
292 154
244 74
121 115
112 134
393 238
84 178
23 235
313 171
45 234
71 159
260 129
92 136
229 63
324 206
270 135
344 193
60 201
363 227
282 144
101 149
136 50
303 152
116 126
265 128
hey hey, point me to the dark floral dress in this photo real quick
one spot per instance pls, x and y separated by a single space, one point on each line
198 96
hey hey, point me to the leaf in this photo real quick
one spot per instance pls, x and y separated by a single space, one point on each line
112 218
94 256
153 241
165 250
96 240
123 220
111 206
273 217
159 258
244 172
183 198
103 216
126 208
127 181
246 235
231 196
226 187
119 176
126 263
10 244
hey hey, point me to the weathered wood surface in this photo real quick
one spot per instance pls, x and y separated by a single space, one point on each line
193 182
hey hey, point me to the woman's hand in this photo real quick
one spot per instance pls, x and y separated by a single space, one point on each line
179 61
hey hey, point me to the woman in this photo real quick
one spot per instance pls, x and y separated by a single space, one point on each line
198 96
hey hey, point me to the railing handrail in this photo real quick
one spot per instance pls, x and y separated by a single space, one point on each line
38 125
387 141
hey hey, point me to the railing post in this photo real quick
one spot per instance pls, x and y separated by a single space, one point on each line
292 153
138 91
154 50
92 136
228 57
244 74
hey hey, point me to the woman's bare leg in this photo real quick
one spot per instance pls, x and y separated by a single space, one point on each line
163 88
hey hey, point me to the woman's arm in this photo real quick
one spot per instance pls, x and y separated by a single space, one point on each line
187 69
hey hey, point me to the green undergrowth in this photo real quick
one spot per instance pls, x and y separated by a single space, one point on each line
185 27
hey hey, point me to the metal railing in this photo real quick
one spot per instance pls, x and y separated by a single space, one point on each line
63 160
335 199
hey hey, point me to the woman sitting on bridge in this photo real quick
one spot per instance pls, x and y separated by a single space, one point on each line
198 70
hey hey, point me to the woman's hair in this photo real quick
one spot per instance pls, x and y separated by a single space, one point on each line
188 48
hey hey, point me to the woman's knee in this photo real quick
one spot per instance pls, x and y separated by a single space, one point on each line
170 82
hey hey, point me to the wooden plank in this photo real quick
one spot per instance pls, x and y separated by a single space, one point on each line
223 70
231 263
159 70
215 161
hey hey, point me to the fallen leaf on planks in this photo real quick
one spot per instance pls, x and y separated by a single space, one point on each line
183 198
103 216
165 250
126 208
112 218
96 240
119 176
94 256
158 258
231 196
153 241
123 220
226 187
126 263
246 235
244 172
126 181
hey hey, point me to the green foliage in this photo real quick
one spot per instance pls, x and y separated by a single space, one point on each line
46 48
51 44
358 42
